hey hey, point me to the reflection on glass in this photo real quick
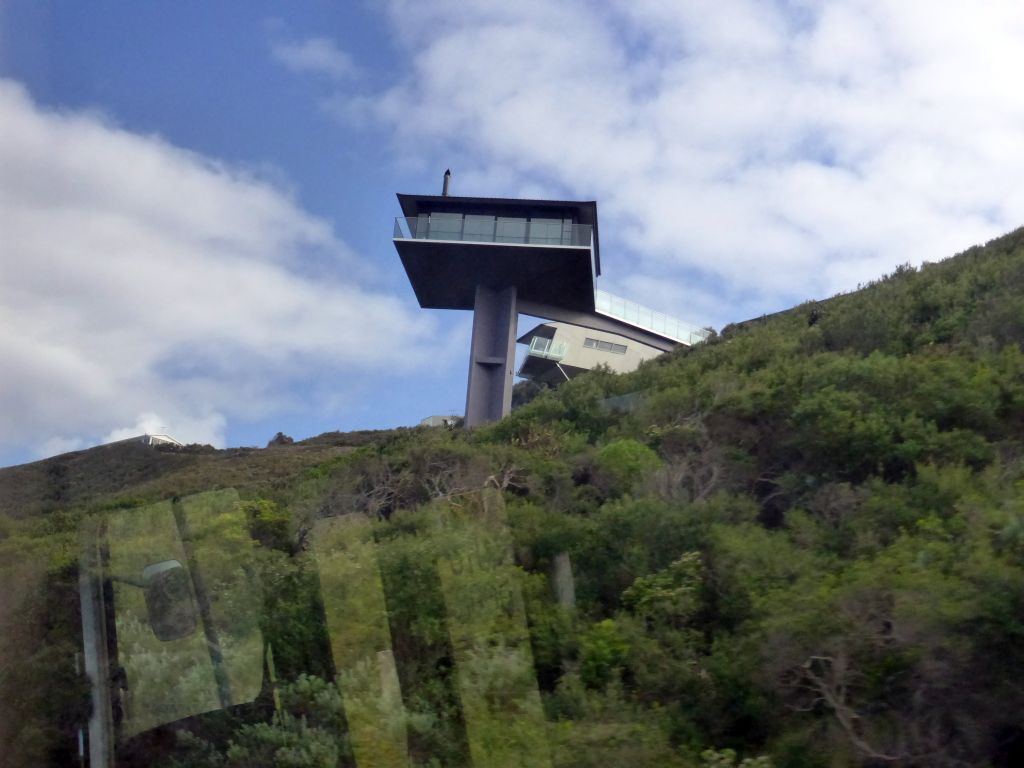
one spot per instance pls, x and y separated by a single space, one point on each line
169 673
510 230
546 231
353 597
216 535
395 643
445 226
479 228
169 604
475 228
487 624
478 625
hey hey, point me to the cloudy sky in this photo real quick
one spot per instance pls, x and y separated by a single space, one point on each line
196 199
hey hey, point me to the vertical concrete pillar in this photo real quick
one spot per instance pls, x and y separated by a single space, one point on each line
492 355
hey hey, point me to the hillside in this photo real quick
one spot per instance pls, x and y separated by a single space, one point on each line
117 472
801 545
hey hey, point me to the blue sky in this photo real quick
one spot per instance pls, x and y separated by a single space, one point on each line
196 198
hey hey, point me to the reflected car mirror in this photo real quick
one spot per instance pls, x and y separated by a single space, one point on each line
169 605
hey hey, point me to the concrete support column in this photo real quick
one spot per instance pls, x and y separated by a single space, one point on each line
492 355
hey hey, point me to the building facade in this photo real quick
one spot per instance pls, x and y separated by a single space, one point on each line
557 352
502 257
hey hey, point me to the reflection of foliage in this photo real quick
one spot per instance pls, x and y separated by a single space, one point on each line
162 685
292 615
288 742
269 524
356 616
44 698
726 758
306 733
221 660
487 625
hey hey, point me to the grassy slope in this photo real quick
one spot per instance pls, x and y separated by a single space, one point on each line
131 471
806 540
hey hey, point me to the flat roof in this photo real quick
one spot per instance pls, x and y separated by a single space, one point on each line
544 330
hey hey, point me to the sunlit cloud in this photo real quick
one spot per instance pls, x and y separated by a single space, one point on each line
748 155
141 279
317 55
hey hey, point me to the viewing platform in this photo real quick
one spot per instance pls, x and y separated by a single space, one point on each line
547 249
456 228
502 257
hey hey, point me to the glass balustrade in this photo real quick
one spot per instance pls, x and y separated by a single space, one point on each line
492 229
549 348
457 227
644 317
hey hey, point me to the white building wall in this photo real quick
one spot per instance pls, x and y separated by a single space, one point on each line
581 356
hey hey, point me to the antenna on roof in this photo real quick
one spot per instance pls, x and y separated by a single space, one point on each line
447 179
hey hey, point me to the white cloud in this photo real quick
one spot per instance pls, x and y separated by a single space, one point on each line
317 55
754 154
137 278
56 445
207 429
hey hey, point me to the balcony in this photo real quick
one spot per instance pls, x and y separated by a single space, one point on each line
546 348
493 229
648 319
548 260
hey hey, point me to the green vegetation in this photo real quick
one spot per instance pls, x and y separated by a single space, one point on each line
803 547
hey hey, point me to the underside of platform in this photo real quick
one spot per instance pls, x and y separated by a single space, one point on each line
445 274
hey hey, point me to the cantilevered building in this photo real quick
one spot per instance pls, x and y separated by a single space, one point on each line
501 257
556 352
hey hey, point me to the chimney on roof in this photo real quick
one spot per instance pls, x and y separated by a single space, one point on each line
447 179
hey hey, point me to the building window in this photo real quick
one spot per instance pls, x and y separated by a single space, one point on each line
605 346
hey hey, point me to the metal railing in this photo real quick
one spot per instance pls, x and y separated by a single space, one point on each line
479 230
549 348
643 317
